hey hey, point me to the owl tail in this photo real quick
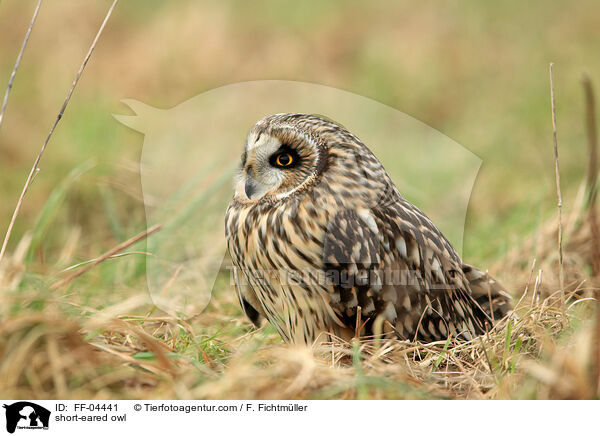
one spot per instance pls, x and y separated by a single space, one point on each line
488 293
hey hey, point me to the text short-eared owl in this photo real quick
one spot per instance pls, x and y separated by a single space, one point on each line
319 235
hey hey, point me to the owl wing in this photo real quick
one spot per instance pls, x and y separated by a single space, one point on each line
248 301
393 262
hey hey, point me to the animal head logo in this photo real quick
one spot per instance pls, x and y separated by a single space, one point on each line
192 151
26 415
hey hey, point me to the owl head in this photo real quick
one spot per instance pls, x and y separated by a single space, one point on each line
283 153
288 155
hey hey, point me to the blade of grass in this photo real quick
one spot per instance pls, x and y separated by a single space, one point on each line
53 204
441 357
561 273
114 221
361 389
18 61
86 262
105 256
515 355
507 341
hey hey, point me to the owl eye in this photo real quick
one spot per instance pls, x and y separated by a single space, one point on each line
283 160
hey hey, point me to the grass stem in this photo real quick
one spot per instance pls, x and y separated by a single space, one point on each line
18 61
561 274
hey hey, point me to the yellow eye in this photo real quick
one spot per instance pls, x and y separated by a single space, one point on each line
284 160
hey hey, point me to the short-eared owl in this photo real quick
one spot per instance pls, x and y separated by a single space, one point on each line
322 241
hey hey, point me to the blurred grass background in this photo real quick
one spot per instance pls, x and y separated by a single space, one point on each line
477 72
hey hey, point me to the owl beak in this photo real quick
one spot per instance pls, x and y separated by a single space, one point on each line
249 187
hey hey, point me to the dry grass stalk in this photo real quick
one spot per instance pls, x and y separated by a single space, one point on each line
116 249
34 168
46 355
559 196
18 61
592 178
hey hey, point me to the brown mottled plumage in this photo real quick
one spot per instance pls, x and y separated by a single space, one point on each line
319 235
